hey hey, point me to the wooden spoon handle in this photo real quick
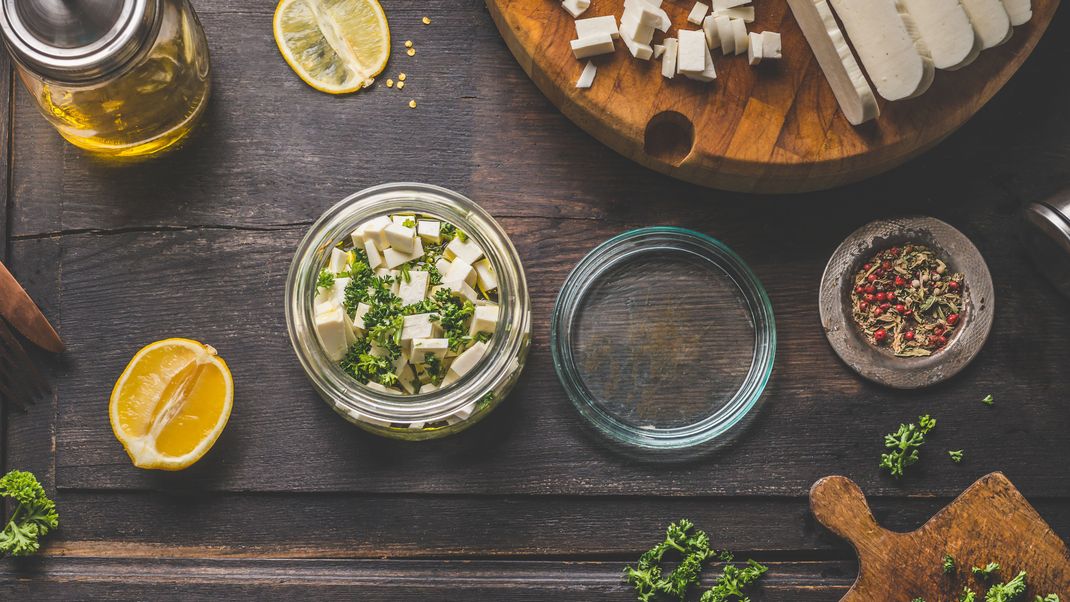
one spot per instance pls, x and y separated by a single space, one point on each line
840 505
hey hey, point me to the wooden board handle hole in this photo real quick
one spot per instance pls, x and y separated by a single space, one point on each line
669 137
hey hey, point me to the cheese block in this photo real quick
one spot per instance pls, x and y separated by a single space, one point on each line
897 62
945 28
723 4
713 35
1019 11
632 28
724 34
591 46
596 25
698 13
648 12
771 47
587 76
708 73
640 51
990 21
754 48
848 83
576 7
659 50
740 12
668 60
739 32
691 56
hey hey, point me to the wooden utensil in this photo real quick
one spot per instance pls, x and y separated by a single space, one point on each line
775 127
20 382
990 521
22 313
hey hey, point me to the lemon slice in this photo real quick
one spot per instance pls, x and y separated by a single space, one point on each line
336 46
171 403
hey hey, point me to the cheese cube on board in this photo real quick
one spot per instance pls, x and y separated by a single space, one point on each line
591 46
724 34
739 32
467 250
668 61
642 52
485 319
723 4
576 7
649 13
659 50
586 78
415 290
392 258
740 12
691 56
754 48
429 230
698 13
400 238
631 28
331 330
770 45
713 35
596 25
708 74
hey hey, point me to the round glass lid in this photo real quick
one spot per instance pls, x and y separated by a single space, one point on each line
663 338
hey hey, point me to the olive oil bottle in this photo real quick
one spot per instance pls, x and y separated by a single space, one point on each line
121 78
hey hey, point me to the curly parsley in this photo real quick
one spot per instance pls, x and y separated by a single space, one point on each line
904 444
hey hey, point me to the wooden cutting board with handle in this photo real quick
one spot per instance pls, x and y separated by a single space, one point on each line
775 127
990 522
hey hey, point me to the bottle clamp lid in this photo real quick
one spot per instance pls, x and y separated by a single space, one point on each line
76 40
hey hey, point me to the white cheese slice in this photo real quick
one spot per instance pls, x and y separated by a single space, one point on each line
338 262
587 75
375 259
468 360
739 33
393 258
468 250
713 35
331 330
848 83
350 330
403 219
668 60
442 265
421 348
692 53
418 326
724 34
642 52
335 295
1019 11
990 21
373 230
771 45
596 25
429 230
415 289
723 4
400 238
576 7
358 237
698 13
754 48
708 73
740 12
898 64
945 28
358 317
485 277
659 50
648 12
460 270
595 45
631 28
485 319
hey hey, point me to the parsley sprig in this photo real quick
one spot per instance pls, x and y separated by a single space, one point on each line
904 444
34 516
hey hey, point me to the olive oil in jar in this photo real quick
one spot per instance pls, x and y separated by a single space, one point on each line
121 78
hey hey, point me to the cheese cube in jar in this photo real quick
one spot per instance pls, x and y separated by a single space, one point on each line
331 330
485 276
484 319
414 289
401 238
460 270
392 258
467 250
423 348
418 326
429 230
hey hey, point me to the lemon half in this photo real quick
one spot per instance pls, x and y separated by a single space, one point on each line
335 46
171 403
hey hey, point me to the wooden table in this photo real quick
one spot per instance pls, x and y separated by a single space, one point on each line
294 502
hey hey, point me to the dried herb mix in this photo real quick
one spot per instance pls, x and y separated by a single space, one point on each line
907 300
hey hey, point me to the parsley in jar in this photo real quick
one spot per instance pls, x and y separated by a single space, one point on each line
408 305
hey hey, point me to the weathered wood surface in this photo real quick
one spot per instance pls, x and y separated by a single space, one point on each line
197 244
774 127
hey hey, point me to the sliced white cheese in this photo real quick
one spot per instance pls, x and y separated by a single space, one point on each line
375 259
392 257
723 4
631 28
592 46
358 316
415 289
640 51
990 21
648 12
708 73
1019 11
331 330
468 250
400 238
668 60
335 295
724 34
771 45
659 50
898 64
587 75
373 230
418 326
713 35
485 277
848 83
442 265
740 12
698 13
485 319
739 33
422 348
692 54
576 7
338 262
945 28
429 230
468 360
754 48
460 270
596 25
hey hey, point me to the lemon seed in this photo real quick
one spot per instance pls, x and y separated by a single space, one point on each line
426 21
408 43
401 85
412 104
411 52
401 77
389 83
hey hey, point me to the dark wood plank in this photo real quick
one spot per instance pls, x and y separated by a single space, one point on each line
370 580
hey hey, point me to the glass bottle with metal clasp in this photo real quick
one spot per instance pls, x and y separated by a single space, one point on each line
122 78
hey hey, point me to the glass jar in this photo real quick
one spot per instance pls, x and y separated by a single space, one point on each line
424 415
122 78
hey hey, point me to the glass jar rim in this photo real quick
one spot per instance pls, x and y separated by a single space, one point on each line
338 222
620 250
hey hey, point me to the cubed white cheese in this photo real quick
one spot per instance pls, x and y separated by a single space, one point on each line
331 329
458 288
739 33
339 261
449 379
393 257
415 289
358 316
442 265
668 61
698 13
642 52
373 230
400 238
576 7
485 276
485 319
466 250
595 45
708 74
460 270
468 360
374 386
428 388
401 219
649 13
351 331
586 78
358 237
724 34
754 48
713 35
692 54
430 230
595 25
335 295
723 4
740 12
659 50
407 380
422 348
418 326
770 45
375 259
631 28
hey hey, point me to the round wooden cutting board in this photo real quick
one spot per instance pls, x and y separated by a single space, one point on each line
775 127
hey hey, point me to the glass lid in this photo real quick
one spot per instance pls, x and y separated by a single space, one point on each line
663 338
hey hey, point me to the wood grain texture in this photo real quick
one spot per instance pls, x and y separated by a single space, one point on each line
989 522
771 128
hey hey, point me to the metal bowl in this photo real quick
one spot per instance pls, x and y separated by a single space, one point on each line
880 365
